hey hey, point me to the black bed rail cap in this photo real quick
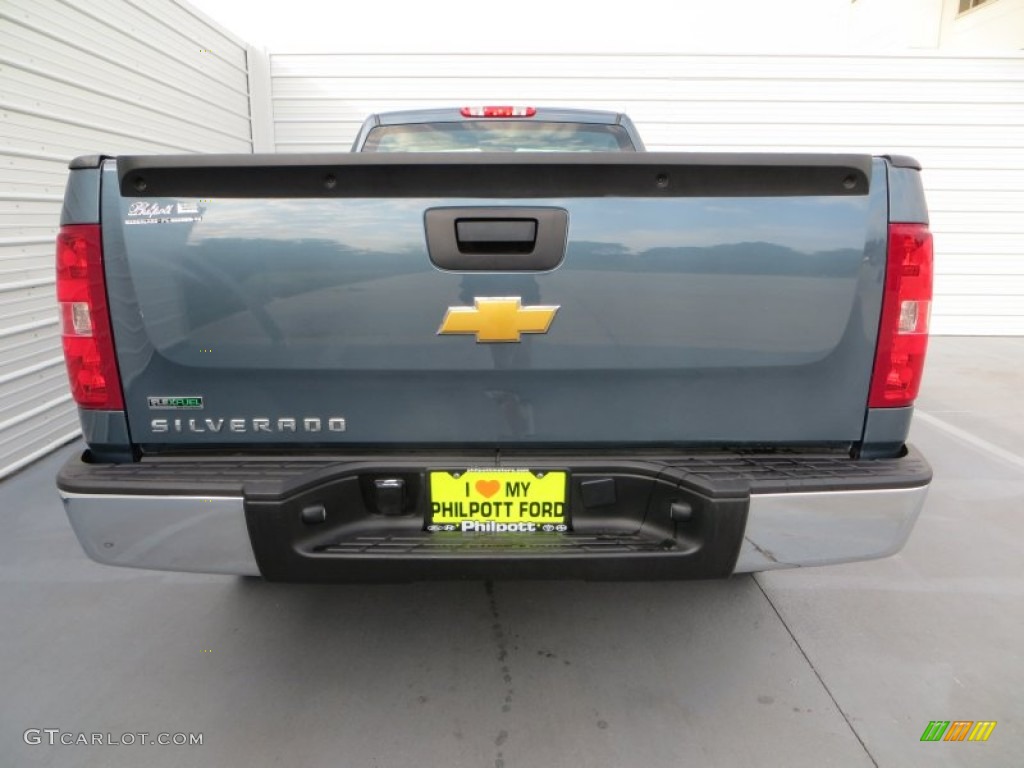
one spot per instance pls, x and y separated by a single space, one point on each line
495 175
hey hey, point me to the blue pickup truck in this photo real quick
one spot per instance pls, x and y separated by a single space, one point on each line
494 342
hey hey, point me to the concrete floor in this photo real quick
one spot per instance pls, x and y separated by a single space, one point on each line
837 666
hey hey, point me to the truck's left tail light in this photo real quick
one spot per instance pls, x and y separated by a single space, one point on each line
85 319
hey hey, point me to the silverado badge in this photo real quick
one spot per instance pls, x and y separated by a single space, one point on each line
498 319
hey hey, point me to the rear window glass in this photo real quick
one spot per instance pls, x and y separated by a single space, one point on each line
503 136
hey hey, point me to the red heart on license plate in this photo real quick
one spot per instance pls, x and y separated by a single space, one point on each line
488 488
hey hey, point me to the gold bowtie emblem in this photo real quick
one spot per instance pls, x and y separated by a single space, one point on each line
498 319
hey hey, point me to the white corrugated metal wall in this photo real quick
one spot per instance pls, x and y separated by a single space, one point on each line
961 115
85 77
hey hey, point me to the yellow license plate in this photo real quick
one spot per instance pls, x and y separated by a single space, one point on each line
498 501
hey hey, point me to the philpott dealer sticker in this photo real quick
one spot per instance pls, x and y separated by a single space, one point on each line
143 212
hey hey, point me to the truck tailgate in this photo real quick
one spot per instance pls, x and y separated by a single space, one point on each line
697 300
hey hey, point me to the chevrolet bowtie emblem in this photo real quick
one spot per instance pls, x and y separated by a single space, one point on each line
497 319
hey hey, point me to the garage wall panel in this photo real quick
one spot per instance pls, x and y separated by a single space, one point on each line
961 115
84 77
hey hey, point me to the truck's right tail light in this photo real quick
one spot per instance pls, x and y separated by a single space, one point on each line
906 309
85 320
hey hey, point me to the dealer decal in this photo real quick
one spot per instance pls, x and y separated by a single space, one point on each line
142 212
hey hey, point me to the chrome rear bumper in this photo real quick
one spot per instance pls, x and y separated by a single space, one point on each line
787 530
657 517
201 534
209 535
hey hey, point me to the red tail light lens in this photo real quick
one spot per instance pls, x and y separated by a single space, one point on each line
906 308
85 320
498 111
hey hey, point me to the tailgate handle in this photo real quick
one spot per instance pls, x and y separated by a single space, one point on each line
498 239
496 235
